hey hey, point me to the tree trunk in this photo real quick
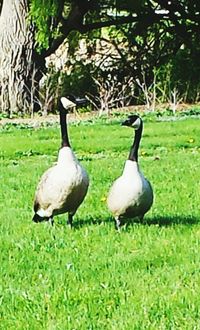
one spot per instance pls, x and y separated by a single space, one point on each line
20 66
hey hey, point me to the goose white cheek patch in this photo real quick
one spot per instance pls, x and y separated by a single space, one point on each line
136 124
67 103
41 213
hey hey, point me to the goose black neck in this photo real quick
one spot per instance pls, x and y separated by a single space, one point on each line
63 124
133 155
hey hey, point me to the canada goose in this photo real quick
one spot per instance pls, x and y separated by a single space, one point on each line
63 187
131 195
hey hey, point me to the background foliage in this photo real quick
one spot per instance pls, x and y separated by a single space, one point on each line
140 51
143 39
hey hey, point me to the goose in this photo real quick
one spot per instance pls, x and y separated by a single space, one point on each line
131 195
63 187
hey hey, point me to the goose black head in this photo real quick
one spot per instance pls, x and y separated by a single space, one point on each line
37 218
133 121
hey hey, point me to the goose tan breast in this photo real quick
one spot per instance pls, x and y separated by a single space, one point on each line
63 189
130 196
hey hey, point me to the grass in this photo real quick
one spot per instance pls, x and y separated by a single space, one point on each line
91 277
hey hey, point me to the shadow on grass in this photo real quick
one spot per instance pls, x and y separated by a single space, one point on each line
92 221
166 221
157 220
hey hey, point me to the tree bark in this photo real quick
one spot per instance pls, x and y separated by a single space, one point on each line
20 66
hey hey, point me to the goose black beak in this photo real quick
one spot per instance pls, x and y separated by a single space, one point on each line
37 218
126 122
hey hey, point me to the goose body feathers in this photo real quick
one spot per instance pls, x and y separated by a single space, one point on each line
62 187
131 194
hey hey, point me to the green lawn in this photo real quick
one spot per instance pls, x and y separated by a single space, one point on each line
92 277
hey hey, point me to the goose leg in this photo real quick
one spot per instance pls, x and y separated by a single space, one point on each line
141 217
117 223
51 221
70 219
